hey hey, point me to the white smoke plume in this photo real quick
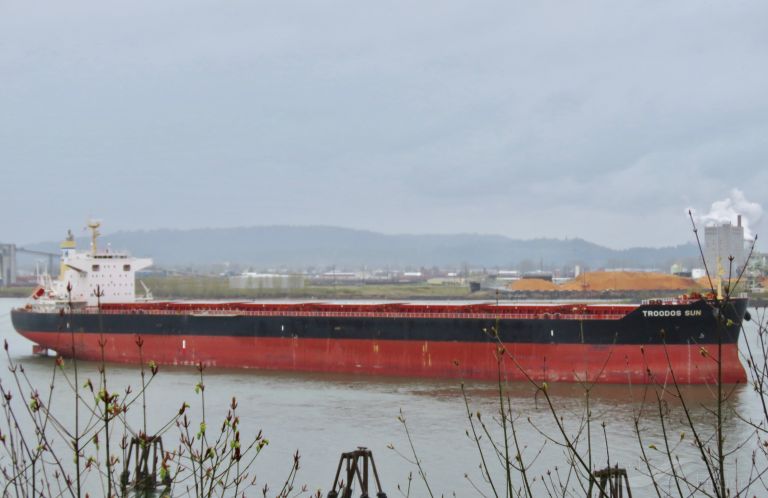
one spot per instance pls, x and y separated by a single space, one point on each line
728 209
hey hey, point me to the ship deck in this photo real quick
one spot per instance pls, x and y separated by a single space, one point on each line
557 311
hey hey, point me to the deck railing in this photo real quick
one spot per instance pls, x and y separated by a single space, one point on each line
607 315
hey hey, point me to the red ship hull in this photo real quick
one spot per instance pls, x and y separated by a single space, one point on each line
624 363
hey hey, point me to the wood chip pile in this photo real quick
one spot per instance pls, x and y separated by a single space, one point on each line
611 281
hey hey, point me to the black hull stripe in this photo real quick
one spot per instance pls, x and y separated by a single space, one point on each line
635 328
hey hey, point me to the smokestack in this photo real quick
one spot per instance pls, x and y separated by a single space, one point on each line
738 221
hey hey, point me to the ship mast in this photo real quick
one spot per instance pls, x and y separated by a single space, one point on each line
94 226
720 274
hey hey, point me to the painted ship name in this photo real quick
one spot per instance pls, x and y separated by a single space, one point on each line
671 313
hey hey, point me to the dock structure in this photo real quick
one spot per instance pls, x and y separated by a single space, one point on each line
7 264
9 267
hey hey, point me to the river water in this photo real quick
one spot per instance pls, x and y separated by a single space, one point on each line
322 415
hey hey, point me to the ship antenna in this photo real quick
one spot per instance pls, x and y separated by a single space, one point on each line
94 226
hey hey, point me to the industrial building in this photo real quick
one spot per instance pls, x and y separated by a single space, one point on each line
266 281
7 264
720 243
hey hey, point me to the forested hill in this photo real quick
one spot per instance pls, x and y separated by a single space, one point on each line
303 246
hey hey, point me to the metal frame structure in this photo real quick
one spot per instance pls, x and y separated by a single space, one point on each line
355 465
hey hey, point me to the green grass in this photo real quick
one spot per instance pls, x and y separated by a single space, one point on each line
218 288
16 291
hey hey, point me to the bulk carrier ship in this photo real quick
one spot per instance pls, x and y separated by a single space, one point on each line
92 309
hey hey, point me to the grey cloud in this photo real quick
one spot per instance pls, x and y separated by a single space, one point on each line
525 119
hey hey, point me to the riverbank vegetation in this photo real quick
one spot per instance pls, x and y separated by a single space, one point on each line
82 436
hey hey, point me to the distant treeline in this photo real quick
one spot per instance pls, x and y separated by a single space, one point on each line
322 246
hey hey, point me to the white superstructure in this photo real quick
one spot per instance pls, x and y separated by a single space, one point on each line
90 277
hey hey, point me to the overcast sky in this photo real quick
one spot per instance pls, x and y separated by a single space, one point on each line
601 120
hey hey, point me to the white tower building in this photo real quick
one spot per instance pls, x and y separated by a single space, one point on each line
721 242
